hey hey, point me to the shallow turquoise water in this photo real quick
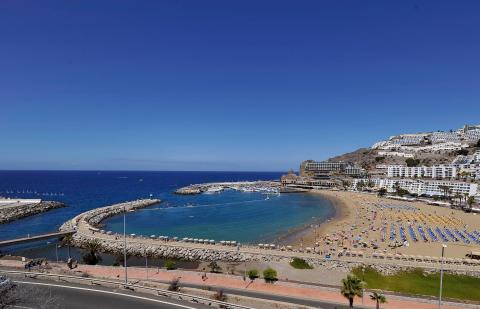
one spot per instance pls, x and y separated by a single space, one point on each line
231 215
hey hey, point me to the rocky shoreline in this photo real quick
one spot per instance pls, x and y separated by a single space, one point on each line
247 186
87 230
8 214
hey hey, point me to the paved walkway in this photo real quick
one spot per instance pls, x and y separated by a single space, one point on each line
235 282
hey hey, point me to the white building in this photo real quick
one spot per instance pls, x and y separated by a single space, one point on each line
422 187
435 172
396 154
445 137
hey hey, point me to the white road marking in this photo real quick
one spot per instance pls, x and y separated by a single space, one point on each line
107 292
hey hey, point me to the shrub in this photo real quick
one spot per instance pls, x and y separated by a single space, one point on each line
220 296
300 264
170 265
214 267
412 162
174 285
252 274
270 275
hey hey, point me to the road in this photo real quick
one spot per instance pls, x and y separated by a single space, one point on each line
78 296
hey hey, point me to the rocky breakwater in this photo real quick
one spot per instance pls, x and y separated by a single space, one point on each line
18 210
87 226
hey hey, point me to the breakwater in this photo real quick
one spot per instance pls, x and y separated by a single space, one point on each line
86 231
10 213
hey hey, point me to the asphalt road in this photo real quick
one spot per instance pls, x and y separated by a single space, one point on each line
78 296
73 296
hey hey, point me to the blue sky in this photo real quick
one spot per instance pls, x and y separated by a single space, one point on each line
228 85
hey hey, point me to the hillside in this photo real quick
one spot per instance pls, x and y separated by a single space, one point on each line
369 158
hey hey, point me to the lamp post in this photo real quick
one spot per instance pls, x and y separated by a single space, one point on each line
125 245
441 277
363 280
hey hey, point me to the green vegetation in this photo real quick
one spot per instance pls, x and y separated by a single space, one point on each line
382 192
214 267
399 190
300 264
420 283
378 298
462 152
352 286
92 257
270 275
252 274
412 162
170 265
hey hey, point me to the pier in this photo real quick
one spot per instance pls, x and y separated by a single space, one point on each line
22 240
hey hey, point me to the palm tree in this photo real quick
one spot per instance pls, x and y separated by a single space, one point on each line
92 257
459 197
68 241
379 298
470 202
352 286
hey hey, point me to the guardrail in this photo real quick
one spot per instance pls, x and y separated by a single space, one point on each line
160 292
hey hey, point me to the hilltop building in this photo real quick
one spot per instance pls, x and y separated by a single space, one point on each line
432 142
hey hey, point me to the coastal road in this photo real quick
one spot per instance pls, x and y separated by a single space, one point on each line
78 296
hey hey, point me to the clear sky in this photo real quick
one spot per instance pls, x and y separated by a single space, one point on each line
228 85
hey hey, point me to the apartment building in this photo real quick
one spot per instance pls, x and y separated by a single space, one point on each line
325 169
435 172
422 187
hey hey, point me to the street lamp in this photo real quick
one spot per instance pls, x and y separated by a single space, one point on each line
125 245
363 282
441 277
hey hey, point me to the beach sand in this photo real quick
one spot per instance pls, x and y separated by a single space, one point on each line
355 217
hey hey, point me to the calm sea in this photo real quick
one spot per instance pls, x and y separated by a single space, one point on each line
231 215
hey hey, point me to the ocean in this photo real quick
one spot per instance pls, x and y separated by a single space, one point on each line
230 215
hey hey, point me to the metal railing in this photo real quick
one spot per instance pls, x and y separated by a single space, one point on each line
160 292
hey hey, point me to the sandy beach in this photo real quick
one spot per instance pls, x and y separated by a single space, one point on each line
367 219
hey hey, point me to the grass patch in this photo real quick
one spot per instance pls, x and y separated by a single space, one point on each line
417 282
300 264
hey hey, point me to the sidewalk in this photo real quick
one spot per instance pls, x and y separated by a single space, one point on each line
235 282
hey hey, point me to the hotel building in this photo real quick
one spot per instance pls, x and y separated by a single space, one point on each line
421 187
327 169
435 172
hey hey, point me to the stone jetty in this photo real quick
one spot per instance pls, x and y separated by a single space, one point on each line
23 208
